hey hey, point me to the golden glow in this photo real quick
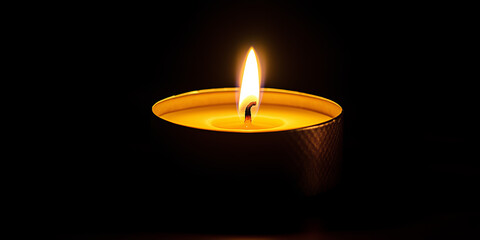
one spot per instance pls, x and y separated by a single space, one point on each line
214 109
250 85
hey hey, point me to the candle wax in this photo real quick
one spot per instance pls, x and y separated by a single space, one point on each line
225 118
216 110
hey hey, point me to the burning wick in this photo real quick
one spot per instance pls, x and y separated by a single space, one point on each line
248 113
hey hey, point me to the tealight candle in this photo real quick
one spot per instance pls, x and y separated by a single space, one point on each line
295 128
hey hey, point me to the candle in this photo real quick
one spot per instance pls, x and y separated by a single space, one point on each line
275 137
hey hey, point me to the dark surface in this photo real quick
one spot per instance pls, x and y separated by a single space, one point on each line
399 71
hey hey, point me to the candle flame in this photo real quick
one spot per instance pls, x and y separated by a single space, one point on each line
250 84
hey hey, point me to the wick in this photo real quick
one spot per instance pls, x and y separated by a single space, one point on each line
248 113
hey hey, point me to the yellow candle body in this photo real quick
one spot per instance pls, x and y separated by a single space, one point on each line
215 109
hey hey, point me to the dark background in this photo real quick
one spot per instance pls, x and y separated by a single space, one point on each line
400 72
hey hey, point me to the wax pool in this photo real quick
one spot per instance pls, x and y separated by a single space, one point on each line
215 109
225 118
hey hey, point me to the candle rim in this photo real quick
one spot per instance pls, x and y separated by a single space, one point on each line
228 89
276 90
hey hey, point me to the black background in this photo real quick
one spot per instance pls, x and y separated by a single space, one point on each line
399 72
